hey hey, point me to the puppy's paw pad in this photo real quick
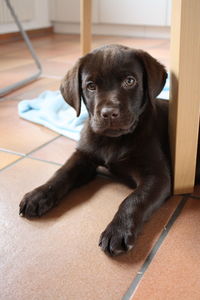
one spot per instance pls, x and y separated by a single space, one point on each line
115 240
36 203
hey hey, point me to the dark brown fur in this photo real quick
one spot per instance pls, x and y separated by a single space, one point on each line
127 132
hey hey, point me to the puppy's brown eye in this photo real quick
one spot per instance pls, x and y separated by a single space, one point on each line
129 82
91 86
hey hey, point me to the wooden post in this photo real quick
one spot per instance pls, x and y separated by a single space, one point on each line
185 92
85 18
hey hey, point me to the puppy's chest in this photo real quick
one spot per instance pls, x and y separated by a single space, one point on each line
111 154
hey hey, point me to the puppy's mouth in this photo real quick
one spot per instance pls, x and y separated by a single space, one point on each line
116 131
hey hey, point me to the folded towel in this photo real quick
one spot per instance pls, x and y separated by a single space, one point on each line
50 110
165 92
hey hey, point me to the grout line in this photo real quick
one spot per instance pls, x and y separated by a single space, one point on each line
23 156
12 164
45 161
132 289
43 145
12 152
32 151
195 197
30 157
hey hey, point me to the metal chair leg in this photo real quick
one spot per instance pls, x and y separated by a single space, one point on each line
23 82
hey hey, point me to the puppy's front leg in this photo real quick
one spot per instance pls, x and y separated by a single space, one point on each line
78 170
120 234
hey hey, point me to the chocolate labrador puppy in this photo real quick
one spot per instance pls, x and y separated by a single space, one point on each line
126 132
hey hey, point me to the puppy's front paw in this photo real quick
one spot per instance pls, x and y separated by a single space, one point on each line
117 239
37 202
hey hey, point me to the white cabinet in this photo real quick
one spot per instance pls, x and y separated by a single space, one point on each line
33 14
69 10
127 12
65 11
133 12
146 18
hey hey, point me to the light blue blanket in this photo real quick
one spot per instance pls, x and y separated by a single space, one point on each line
50 110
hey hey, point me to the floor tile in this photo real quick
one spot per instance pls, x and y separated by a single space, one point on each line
35 88
57 256
69 58
57 151
20 135
12 62
16 74
141 43
12 48
56 68
7 158
174 273
161 55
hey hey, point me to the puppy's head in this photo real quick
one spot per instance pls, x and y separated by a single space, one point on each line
116 83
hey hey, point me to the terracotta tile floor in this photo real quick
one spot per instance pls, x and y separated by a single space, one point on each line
174 272
57 256
62 148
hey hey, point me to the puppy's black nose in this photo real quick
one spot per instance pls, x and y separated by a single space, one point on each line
109 113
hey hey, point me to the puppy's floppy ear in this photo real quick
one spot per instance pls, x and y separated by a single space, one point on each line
155 73
71 88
